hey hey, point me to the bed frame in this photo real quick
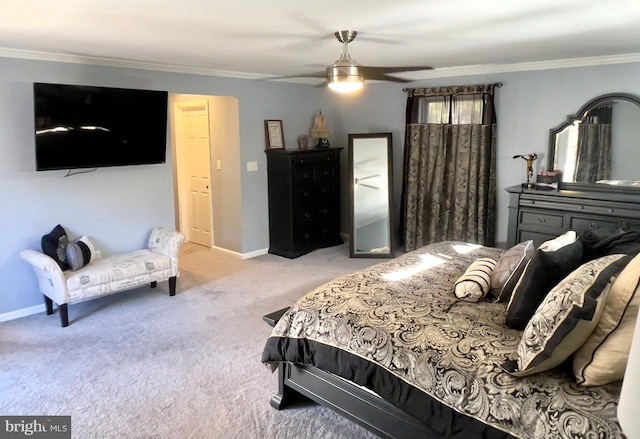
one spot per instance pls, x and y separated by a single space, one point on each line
361 406
351 401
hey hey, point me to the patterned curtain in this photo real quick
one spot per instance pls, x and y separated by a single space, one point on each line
449 186
593 161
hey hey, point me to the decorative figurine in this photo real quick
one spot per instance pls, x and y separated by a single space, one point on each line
530 159
321 131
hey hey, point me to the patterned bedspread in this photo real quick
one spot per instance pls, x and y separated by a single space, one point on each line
397 327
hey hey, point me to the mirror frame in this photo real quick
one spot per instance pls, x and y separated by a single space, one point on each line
571 118
352 252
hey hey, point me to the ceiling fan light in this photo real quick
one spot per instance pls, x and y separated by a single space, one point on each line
346 84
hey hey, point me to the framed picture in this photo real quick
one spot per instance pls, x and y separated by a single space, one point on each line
274 133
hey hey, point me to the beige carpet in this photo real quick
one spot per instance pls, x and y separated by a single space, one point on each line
141 364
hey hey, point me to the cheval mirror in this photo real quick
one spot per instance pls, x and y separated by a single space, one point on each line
370 178
598 147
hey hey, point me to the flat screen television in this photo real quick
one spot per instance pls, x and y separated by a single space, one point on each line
79 126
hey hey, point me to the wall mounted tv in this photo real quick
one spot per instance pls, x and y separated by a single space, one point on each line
79 126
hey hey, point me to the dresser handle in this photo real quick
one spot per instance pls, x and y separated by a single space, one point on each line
306 193
593 226
581 207
307 214
307 235
611 210
541 220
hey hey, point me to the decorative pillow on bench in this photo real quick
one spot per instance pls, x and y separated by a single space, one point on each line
54 245
79 253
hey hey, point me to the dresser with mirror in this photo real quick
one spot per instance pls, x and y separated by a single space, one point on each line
598 151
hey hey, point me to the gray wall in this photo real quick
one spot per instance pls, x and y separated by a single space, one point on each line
116 207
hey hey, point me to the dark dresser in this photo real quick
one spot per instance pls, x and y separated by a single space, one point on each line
304 200
544 214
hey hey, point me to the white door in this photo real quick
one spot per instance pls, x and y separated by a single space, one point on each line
194 120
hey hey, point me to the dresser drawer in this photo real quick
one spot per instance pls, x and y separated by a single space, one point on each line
312 193
313 214
313 159
323 173
303 175
537 237
540 218
581 224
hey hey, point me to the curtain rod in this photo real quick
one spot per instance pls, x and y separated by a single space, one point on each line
496 84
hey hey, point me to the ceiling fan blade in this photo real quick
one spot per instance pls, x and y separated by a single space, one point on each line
385 70
382 77
369 186
322 74
367 177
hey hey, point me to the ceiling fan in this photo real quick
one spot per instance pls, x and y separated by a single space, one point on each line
358 181
346 75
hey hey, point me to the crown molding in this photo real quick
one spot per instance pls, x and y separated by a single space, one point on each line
121 63
443 72
483 69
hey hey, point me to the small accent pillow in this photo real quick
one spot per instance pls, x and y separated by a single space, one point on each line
79 253
566 317
474 284
54 245
549 265
509 269
602 359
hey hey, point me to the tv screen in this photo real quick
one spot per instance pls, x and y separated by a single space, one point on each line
80 126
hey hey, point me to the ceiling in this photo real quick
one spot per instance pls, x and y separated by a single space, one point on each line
252 38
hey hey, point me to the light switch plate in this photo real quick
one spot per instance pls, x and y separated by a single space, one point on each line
252 166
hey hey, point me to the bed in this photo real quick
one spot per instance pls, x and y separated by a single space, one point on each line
394 349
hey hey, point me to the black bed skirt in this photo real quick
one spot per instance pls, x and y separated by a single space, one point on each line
443 420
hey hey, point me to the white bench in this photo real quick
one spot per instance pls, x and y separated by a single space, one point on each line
159 262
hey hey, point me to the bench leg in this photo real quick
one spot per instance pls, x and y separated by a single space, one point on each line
49 304
64 315
154 284
172 286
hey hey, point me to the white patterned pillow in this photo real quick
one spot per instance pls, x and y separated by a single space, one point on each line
603 357
566 317
474 284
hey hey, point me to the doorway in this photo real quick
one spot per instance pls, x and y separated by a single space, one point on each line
211 216
194 144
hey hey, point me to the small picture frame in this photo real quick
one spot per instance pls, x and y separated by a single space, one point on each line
274 133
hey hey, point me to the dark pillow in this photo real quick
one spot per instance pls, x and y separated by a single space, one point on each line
541 274
597 244
566 317
79 253
54 245
508 270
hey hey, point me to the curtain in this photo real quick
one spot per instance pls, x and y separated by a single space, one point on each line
593 158
449 186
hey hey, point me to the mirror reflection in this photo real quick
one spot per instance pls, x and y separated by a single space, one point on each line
370 177
599 145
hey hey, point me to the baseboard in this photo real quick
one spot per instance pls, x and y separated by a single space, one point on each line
24 312
249 255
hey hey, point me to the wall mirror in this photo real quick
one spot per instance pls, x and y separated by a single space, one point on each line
370 177
599 146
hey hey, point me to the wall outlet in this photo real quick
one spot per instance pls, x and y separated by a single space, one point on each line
97 254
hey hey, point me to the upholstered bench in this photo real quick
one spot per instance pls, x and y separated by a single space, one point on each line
159 262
